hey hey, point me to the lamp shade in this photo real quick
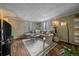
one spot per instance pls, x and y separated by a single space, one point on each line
55 23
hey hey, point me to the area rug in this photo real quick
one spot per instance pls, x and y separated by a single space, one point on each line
34 46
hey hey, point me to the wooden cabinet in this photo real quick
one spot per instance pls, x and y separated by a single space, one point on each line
4 45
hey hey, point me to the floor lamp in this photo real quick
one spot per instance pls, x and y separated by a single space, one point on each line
55 25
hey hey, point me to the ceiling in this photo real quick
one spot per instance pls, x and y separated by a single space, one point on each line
38 12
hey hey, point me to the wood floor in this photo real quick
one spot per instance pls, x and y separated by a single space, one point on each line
59 49
17 49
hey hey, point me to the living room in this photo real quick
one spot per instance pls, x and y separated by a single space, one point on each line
39 29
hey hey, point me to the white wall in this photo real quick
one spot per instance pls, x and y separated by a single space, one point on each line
17 27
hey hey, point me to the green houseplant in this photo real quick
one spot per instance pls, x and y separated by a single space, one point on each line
72 51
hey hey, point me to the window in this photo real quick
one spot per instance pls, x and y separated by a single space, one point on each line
30 26
46 26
